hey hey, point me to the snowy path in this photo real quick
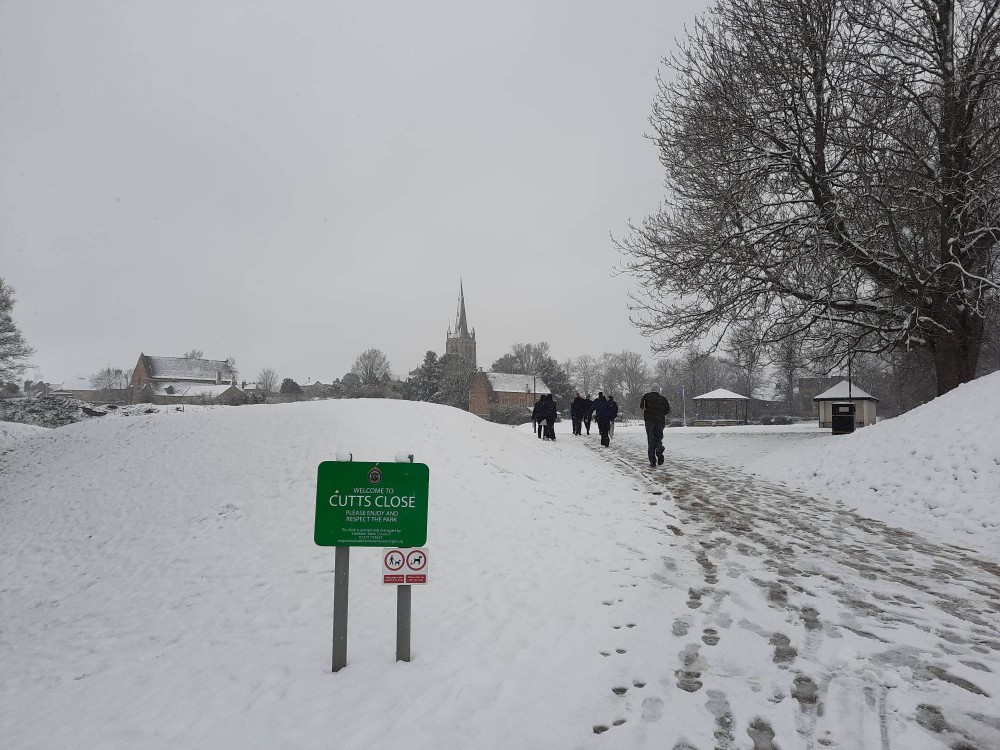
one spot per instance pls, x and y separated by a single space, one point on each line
809 626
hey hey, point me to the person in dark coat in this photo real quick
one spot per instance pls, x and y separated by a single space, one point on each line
588 411
655 409
611 431
576 412
604 411
536 416
549 412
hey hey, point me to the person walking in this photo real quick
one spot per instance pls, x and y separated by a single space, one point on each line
655 409
611 430
576 412
588 412
536 416
549 412
603 410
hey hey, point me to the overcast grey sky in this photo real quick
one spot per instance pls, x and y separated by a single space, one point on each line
290 183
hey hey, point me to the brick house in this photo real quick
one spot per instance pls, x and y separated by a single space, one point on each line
505 389
179 380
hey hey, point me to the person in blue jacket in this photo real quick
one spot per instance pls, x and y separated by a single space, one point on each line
655 409
576 408
604 410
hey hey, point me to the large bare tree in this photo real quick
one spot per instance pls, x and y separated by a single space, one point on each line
833 173
371 366
267 382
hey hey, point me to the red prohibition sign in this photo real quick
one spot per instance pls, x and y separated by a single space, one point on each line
422 564
389 554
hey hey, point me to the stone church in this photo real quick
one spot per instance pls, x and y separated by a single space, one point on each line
507 389
461 342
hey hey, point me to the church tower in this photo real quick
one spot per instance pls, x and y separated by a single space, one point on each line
461 342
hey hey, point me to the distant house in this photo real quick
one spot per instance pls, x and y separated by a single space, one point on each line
179 380
845 393
505 389
808 389
316 389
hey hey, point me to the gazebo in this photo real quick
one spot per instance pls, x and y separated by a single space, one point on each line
719 408
846 393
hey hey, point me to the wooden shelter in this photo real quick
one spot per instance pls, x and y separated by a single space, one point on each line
846 393
720 408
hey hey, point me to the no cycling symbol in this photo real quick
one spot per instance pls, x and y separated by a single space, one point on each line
404 566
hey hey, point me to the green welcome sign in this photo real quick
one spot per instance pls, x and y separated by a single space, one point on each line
362 504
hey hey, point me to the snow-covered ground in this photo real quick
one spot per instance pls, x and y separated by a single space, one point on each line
160 588
935 469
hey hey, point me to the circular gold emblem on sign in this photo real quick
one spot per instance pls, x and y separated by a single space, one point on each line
375 475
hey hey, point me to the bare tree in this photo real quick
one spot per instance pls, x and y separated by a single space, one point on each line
231 370
194 354
834 172
585 371
267 382
111 380
786 355
634 379
525 359
609 376
746 357
371 367
14 350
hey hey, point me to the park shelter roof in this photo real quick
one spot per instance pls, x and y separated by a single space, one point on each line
839 393
720 394
503 382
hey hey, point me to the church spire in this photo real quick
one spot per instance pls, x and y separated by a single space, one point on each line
461 321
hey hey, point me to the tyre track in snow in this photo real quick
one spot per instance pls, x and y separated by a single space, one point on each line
875 637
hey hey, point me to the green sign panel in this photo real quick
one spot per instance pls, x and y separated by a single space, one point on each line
362 504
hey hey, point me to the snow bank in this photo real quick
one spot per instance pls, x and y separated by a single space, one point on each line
161 588
935 469
12 433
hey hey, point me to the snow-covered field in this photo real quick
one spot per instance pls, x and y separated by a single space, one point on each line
160 588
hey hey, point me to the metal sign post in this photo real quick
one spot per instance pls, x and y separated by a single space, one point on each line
403 610
342 566
341 577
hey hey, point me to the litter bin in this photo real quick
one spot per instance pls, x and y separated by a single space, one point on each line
843 418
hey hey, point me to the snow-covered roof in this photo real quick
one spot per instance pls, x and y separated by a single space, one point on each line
182 368
504 382
839 393
183 388
197 389
720 394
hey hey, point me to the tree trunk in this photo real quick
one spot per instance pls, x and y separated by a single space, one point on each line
956 355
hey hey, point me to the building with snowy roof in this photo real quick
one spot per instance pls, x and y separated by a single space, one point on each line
505 389
179 380
846 393
719 408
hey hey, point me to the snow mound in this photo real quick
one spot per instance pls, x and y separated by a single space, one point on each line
12 433
935 469
161 587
